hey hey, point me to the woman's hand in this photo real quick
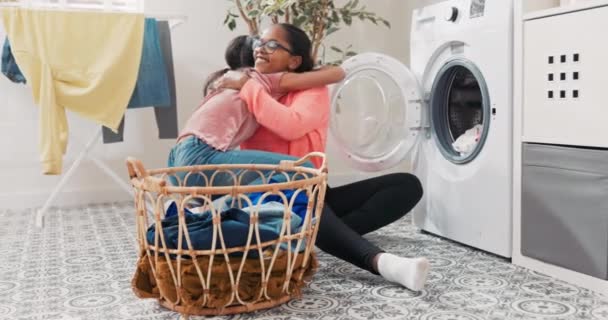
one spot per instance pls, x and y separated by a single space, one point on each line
232 80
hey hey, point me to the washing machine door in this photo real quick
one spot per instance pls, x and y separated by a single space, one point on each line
376 112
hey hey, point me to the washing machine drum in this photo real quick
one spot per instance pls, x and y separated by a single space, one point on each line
460 111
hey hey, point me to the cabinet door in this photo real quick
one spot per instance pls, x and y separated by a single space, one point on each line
566 79
564 207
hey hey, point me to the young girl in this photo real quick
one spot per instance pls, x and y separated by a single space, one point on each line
223 122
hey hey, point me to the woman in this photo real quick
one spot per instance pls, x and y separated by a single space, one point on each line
222 121
296 125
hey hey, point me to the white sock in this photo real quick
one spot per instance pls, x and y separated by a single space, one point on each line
409 272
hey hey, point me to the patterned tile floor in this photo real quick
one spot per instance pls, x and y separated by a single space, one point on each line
80 266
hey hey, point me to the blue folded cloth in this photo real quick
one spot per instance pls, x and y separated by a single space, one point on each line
234 224
300 203
9 66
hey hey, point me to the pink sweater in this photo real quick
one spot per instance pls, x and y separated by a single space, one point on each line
222 120
295 125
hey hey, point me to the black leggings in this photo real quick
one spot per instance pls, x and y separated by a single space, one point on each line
356 209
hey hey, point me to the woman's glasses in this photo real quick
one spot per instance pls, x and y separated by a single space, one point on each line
269 46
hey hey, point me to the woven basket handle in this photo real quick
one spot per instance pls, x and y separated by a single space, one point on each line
140 177
136 168
289 164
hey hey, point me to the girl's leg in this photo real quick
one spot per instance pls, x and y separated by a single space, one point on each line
193 151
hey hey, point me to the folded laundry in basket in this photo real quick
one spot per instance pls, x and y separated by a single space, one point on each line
235 227
467 142
300 203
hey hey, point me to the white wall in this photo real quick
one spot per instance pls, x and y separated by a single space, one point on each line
198 50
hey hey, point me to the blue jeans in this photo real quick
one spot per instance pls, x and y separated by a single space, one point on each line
193 151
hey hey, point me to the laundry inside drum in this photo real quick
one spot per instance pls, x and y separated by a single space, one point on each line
465 111
459 110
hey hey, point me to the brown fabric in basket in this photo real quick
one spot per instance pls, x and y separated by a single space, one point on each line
191 297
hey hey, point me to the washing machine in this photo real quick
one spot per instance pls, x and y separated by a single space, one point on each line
460 78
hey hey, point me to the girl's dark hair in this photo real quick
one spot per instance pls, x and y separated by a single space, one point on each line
239 54
300 46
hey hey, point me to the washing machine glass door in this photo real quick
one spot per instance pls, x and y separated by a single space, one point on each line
376 112
460 111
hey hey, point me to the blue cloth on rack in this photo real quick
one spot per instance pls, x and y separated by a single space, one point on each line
9 66
166 116
152 88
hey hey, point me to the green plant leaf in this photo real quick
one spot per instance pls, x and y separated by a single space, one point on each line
299 21
348 20
331 30
232 25
336 49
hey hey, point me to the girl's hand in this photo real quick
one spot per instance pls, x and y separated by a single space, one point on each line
232 80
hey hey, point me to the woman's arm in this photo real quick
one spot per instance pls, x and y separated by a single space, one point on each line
308 111
300 81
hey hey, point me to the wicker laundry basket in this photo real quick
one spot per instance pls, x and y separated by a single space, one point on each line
219 280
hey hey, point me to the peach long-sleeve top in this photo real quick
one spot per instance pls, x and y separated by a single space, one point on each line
294 125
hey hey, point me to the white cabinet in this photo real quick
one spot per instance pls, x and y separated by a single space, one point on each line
565 79
544 30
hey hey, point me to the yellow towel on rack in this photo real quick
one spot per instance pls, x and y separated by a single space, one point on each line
86 62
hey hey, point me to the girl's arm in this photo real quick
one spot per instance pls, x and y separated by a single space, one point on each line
317 78
308 111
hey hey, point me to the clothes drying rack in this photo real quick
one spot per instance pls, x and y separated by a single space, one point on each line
136 6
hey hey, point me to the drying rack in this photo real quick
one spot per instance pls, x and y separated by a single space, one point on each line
135 6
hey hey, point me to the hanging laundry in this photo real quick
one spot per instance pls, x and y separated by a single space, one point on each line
466 143
9 66
86 62
156 83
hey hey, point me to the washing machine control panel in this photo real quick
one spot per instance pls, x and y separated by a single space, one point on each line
478 7
451 14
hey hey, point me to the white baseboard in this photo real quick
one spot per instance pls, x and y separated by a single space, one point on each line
67 198
582 280
112 193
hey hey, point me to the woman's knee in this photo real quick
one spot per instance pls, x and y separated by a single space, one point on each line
409 185
414 185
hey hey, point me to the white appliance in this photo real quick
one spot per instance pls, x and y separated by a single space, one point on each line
460 76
